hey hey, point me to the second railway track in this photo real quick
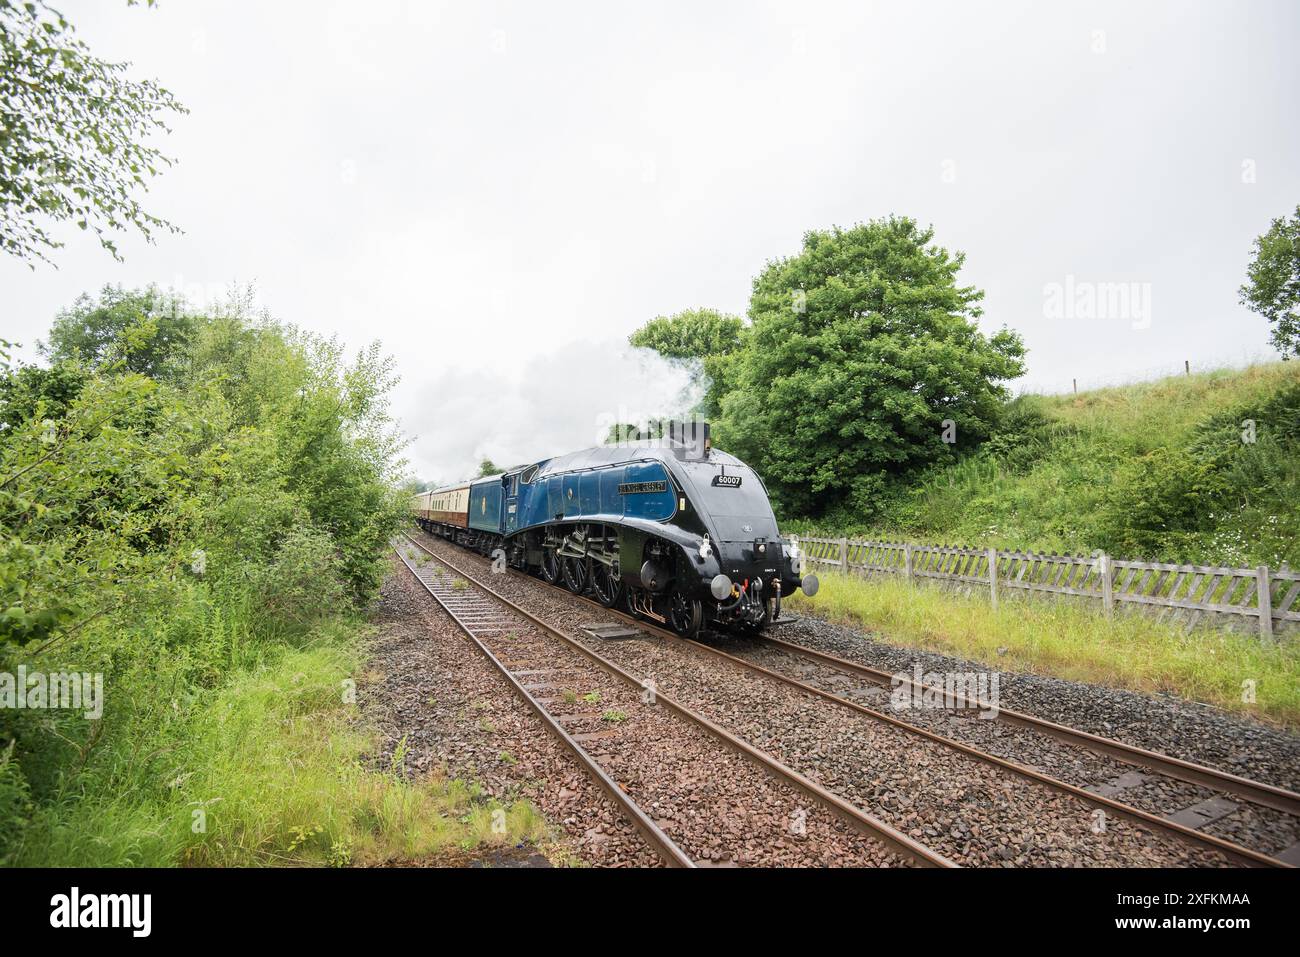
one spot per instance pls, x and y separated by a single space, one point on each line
1209 848
697 794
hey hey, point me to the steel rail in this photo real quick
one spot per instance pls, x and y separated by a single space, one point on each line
1234 851
1230 849
889 836
660 842
1256 792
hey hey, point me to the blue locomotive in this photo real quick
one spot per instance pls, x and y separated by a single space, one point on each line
672 529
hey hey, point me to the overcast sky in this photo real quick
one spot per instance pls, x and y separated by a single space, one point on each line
501 192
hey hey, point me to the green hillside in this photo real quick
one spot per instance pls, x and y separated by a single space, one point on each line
1154 470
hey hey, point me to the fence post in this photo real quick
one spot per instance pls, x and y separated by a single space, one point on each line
907 562
1265 602
844 554
993 578
1107 587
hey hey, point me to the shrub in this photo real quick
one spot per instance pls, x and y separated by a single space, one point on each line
304 582
178 531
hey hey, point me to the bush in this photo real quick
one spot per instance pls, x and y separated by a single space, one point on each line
1159 504
304 582
176 528
1024 434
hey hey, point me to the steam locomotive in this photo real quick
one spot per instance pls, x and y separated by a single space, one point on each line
671 529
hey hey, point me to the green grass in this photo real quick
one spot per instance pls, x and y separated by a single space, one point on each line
1127 469
272 769
1148 414
1071 641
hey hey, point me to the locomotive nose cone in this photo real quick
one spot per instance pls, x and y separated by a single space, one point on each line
810 584
720 587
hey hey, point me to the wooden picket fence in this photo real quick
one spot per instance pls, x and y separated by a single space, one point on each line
1188 594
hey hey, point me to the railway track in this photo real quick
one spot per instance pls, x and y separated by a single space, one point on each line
478 617
1220 785
1183 830
529 653
1256 792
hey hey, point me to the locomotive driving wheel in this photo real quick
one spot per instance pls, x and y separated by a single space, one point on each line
575 574
550 566
606 585
685 614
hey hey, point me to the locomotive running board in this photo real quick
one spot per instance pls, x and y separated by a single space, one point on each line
610 632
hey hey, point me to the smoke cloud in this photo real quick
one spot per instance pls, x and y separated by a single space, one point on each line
558 403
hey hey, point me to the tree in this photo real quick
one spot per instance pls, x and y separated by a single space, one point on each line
266 450
863 362
690 334
1273 289
31 391
486 468
73 135
703 340
142 330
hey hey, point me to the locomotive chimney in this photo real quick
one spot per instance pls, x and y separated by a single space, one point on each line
690 438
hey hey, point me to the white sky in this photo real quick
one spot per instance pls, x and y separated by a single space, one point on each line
501 192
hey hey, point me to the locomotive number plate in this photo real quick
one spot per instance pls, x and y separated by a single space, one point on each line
636 488
727 481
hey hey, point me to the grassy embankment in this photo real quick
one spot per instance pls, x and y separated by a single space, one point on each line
272 767
1155 470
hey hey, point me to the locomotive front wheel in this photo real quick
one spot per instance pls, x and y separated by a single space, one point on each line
550 566
608 588
575 574
686 615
